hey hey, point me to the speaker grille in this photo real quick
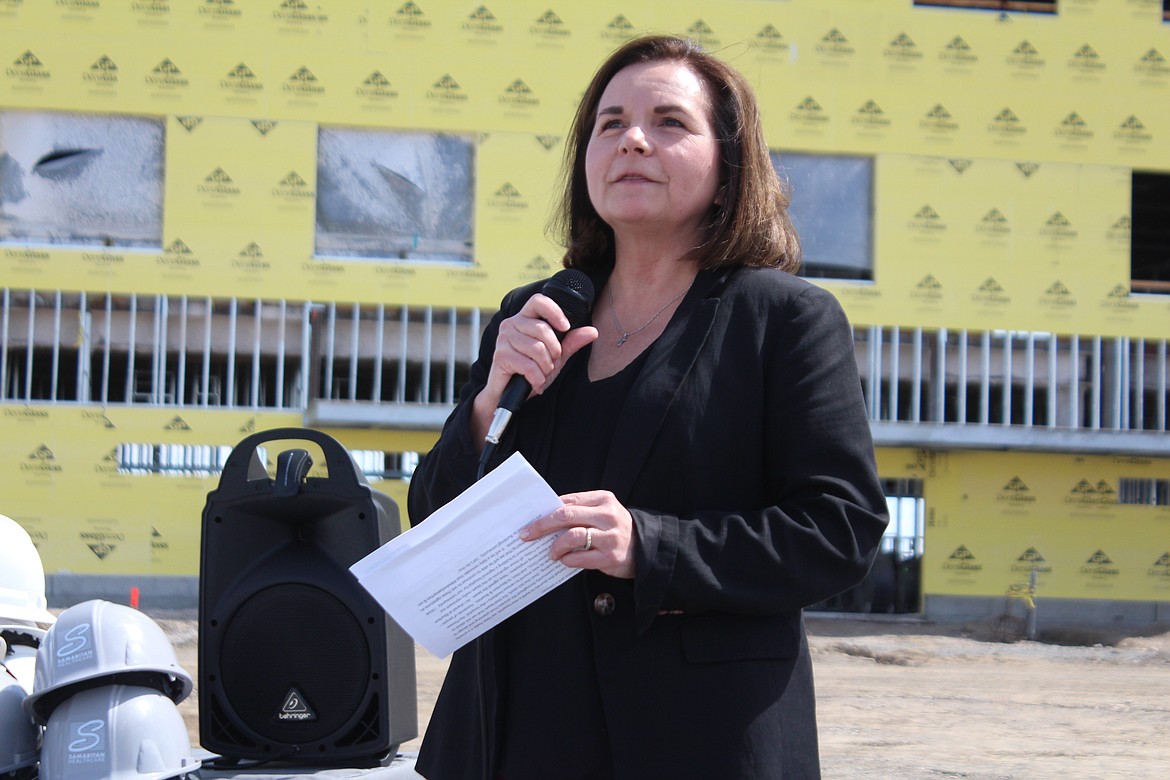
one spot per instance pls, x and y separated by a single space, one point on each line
295 638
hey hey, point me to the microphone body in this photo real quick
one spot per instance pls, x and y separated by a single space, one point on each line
570 289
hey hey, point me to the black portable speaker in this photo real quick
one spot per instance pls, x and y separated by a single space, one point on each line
297 662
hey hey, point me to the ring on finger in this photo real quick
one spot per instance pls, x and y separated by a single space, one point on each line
588 540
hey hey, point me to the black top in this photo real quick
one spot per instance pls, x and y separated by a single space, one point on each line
552 701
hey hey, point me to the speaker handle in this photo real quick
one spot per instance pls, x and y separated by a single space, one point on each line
243 465
292 466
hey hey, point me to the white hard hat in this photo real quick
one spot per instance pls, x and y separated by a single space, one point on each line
20 738
20 652
22 577
102 643
116 732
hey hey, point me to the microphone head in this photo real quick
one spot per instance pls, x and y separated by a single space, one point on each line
572 290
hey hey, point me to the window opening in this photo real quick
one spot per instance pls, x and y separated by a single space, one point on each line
1019 6
396 195
1138 491
1150 233
81 180
832 209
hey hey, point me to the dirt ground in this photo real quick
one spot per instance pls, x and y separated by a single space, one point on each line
909 699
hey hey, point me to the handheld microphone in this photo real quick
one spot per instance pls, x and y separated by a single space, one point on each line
570 289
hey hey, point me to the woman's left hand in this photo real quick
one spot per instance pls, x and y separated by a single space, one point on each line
598 533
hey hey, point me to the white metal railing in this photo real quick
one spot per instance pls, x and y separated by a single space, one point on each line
58 347
1014 378
369 364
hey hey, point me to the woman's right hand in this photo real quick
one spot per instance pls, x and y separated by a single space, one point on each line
528 345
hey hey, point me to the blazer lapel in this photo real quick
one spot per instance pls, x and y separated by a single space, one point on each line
668 363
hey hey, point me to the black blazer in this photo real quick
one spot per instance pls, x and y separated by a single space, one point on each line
745 457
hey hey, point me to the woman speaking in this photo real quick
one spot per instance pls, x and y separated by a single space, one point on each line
707 435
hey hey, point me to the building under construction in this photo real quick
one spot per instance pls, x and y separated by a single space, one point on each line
219 217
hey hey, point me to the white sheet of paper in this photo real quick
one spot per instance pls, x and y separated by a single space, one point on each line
449 579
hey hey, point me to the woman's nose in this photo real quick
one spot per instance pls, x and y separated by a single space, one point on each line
634 140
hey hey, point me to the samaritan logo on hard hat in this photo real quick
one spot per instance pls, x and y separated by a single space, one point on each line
75 646
295 707
86 746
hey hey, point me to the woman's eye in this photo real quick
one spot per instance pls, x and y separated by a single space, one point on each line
672 122
609 124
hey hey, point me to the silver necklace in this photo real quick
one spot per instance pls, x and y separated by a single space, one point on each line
627 333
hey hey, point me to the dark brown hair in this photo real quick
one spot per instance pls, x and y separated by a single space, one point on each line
749 226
